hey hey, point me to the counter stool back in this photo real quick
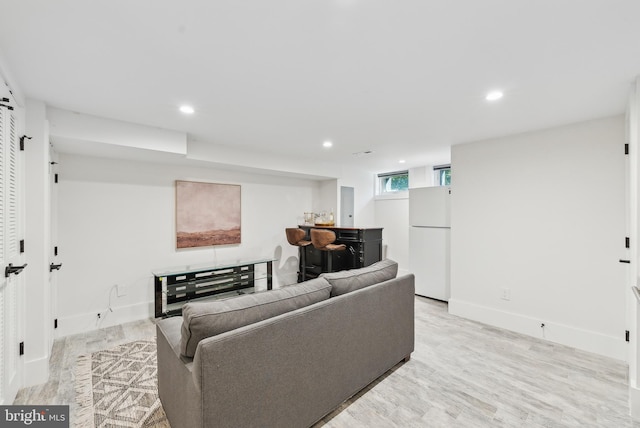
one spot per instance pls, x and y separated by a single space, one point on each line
323 240
295 236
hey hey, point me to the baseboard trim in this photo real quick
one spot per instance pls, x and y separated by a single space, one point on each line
590 341
634 402
89 321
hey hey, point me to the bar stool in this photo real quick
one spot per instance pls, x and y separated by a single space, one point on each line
295 237
323 240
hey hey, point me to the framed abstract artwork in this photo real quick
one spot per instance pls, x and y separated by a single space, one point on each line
207 214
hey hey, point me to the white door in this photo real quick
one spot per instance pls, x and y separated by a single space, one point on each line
346 206
11 231
629 256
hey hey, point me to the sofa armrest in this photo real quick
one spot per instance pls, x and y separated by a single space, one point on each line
180 398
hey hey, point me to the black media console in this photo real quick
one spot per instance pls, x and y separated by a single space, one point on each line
176 286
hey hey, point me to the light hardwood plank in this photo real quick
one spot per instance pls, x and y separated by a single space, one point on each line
462 374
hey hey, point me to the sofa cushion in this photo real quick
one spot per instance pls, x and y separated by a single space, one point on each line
205 319
350 280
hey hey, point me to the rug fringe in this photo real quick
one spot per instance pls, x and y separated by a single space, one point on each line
84 393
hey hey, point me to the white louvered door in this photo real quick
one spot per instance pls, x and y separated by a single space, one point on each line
10 233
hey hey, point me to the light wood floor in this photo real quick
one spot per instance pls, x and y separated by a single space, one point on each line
462 374
60 387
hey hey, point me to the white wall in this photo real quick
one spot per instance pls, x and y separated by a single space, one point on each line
328 198
116 224
363 183
542 215
393 216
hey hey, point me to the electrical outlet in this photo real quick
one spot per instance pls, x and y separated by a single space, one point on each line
506 293
121 290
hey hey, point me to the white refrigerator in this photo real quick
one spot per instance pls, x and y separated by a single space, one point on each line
430 240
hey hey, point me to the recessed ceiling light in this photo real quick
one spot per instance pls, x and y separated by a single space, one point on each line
494 95
401 161
187 109
327 144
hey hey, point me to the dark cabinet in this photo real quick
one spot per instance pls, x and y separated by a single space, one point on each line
364 247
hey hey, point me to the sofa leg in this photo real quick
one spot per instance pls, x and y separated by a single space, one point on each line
406 359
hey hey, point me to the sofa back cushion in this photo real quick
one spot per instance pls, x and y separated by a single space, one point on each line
350 280
205 319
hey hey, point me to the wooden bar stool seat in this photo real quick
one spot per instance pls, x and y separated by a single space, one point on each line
323 240
295 236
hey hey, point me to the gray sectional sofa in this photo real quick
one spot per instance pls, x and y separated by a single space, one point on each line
286 357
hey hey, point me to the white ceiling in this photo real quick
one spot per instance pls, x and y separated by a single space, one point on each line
403 78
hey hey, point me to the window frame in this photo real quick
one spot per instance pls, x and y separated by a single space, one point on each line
438 175
381 184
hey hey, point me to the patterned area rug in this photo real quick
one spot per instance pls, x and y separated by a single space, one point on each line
118 388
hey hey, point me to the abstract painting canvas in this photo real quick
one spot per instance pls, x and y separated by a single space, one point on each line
207 214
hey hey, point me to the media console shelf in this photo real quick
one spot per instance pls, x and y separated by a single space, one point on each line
174 287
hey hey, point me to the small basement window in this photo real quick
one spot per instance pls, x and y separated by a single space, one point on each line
442 175
393 182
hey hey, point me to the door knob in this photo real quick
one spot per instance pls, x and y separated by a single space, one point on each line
53 267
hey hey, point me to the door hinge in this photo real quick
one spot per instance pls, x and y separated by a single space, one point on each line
626 335
626 149
22 142
55 323
21 348
55 178
21 246
627 243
